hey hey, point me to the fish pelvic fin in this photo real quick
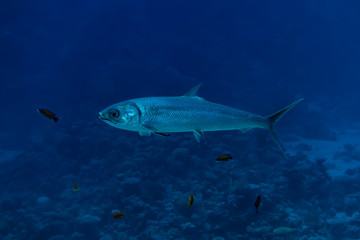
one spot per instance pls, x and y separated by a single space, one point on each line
198 134
274 118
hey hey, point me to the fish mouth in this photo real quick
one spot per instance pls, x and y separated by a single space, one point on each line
106 119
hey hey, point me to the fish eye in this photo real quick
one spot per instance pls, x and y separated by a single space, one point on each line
114 113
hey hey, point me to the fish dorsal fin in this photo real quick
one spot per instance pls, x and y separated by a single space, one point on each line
193 92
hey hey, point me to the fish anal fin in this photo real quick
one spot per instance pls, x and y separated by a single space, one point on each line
198 134
193 92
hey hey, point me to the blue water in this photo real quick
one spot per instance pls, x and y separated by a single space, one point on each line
77 57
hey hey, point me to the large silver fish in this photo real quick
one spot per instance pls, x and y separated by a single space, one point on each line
187 113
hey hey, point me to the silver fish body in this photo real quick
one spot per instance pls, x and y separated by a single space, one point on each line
188 113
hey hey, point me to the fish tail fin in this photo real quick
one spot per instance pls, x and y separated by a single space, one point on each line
56 119
274 118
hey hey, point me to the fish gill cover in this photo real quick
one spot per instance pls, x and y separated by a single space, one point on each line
67 179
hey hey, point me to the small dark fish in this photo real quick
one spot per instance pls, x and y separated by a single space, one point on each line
257 203
191 200
47 113
76 187
118 215
224 158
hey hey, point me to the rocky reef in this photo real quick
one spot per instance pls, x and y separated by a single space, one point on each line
150 179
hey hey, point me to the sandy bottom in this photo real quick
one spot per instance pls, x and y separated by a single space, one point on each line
340 155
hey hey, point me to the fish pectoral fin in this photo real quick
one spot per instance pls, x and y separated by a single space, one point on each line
144 133
198 134
150 128
162 134
153 130
147 131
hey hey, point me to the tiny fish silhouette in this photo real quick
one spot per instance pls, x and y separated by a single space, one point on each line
257 203
118 215
191 200
76 187
47 113
224 158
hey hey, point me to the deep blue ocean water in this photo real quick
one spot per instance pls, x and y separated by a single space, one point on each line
77 57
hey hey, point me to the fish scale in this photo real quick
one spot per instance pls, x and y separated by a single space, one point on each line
183 114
